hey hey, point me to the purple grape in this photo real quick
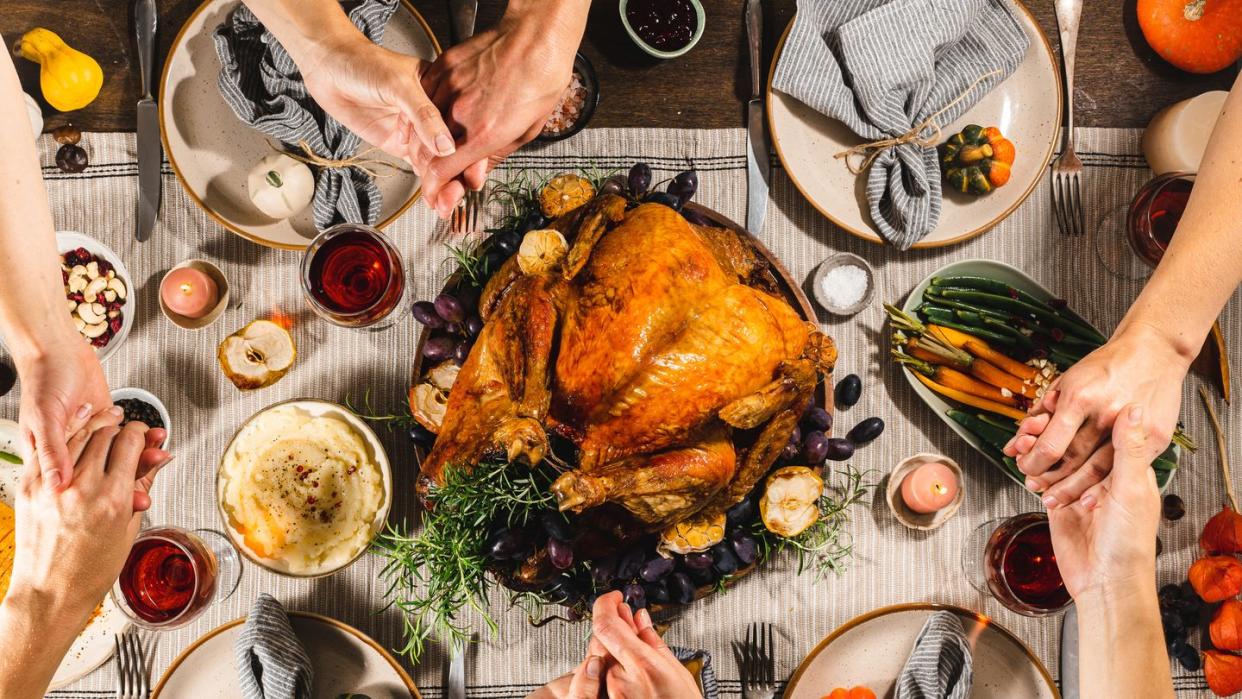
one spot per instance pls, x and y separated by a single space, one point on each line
508 545
613 185
744 547
704 577
604 571
840 449
693 216
741 513
699 560
564 591
630 562
683 186
795 437
639 179
656 568
554 524
425 312
560 554
506 242
791 451
635 596
818 418
535 220
421 435
473 326
450 308
437 348
461 351
848 391
664 198
814 448
657 593
492 259
866 430
724 560
680 588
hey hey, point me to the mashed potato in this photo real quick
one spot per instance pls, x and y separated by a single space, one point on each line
300 492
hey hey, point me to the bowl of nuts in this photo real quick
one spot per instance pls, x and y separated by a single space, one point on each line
98 291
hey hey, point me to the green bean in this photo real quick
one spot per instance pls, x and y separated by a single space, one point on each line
999 422
945 317
995 438
992 286
950 303
1020 306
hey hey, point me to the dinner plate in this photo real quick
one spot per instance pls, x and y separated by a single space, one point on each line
95 644
211 151
1017 279
1026 107
871 649
344 659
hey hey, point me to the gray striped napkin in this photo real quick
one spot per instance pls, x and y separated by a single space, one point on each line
263 86
939 666
271 662
884 66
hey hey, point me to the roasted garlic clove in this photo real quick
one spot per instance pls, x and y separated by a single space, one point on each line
541 250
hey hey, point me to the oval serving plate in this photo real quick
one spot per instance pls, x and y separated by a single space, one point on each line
211 151
871 649
1017 279
1026 107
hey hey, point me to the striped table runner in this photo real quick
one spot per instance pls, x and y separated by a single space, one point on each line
890 564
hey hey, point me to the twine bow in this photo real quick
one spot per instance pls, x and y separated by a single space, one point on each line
362 161
872 150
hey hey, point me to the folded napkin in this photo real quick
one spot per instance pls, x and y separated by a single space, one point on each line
699 663
884 66
939 665
271 662
263 86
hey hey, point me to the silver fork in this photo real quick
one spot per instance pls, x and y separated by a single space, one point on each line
1067 170
757 662
131 667
465 218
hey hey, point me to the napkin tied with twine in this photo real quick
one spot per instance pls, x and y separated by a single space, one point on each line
897 72
939 667
271 662
264 88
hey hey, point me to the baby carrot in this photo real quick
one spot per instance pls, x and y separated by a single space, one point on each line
989 372
951 378
972 401
983 350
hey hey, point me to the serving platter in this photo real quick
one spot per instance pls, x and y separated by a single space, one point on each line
871 649
211 151
788 288
1026 107
1017 279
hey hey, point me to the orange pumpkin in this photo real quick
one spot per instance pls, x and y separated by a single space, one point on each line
1199 36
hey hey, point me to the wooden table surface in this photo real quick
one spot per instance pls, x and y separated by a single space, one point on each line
1121 82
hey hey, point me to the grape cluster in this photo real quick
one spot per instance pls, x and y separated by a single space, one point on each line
809 442
1181 612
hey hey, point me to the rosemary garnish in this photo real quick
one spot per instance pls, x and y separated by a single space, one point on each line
403 420
471 261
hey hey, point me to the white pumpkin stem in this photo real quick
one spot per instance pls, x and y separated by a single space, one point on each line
1194 10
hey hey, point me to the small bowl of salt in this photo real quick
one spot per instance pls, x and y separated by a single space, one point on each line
843 284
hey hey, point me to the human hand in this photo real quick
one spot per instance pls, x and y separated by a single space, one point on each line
1107 540
640 665
496 90
1063 447
582 683
61 389
70 544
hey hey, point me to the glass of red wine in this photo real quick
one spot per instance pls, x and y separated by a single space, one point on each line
1130 241
352 276
172 575
1013 560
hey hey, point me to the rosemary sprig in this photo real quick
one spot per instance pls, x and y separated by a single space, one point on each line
827 545
471 261
435 575
402 420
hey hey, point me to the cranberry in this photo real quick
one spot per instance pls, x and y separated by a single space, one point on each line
77 296
64 276
101 340
104 267
114 324
83 255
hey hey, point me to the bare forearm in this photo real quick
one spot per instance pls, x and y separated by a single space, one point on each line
32 299
35 634
1118 631
1202 266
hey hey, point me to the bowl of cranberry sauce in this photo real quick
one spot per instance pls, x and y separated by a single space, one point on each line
664 28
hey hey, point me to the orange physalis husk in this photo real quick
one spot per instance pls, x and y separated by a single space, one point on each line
1226 628
1223 672
1216 578
1222 533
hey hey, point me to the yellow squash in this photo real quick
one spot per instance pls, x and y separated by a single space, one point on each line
69 78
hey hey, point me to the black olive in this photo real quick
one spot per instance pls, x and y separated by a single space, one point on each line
849 390
866 430
71 158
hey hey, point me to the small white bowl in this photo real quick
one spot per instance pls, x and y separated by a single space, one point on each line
838 260
70 240
222 288
149 398
701 18
919 520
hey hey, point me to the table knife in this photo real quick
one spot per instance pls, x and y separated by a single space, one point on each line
757 162
1069 654
455 681
150 152
462 14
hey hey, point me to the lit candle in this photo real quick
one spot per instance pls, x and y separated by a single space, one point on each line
929 488
189 292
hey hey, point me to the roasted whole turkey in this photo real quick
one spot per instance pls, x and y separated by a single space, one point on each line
661 350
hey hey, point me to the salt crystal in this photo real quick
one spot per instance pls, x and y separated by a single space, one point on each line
844 286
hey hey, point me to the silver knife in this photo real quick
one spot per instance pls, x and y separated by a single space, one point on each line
455 683
1069 654
757 163
462 14
150 152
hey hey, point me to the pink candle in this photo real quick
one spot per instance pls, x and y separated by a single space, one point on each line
187 291
929 488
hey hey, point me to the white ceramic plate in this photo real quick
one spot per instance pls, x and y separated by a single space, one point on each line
870 650
344 658
95 644
1017 279
315 408
1026 108
212 152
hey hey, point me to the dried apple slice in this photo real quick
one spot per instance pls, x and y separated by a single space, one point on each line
258 355
790 500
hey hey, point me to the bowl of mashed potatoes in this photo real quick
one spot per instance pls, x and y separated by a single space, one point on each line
303 488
